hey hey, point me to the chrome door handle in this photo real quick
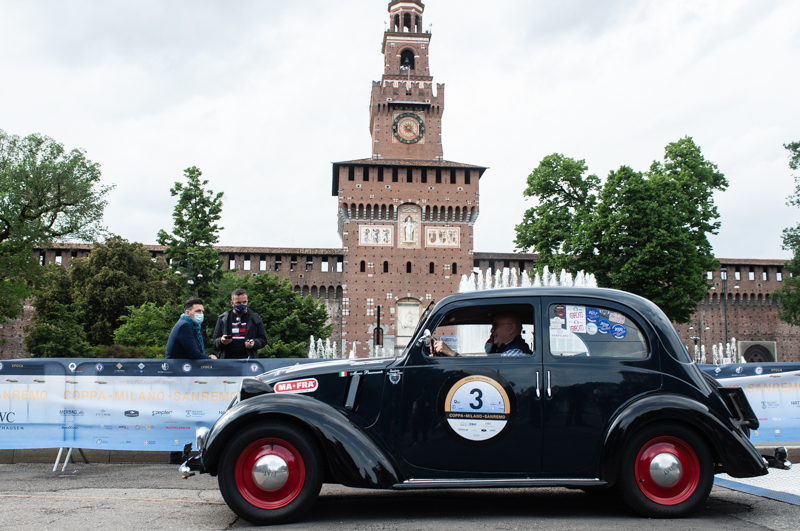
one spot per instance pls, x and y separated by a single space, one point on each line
538 394
549 393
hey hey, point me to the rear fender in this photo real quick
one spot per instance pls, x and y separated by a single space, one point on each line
353 458
727 444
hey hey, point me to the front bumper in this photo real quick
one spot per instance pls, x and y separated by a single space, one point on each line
190 466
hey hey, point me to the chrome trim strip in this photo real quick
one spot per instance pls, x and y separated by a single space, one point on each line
421 483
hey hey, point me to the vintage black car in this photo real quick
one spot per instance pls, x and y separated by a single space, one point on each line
602 394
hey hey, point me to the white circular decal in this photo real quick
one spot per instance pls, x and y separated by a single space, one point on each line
477 408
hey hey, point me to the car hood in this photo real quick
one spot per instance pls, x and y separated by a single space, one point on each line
326 367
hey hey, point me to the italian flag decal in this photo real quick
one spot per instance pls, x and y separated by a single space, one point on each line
343 373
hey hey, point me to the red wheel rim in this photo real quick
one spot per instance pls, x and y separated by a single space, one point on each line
252 491
684 487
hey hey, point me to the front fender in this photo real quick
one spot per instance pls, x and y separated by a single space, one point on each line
738 456
352 456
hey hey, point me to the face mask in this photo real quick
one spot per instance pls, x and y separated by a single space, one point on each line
488 348
198 318
240 308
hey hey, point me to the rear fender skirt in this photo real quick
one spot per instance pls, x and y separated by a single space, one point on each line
352 456
738 456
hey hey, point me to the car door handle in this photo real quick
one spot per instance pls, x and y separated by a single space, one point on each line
538 394
549 393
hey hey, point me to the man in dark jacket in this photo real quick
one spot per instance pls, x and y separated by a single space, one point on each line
185 340
240 331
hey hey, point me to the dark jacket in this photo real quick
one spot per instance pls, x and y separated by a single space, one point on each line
255 331
182 342
516 344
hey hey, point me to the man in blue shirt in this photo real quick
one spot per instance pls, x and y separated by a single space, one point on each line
185 340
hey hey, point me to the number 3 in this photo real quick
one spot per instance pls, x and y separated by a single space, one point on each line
478 394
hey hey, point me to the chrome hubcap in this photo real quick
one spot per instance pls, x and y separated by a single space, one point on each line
665 470
270 472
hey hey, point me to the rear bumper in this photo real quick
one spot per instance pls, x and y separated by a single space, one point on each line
190 466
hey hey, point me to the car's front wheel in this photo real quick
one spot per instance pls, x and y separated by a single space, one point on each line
271 473
667 471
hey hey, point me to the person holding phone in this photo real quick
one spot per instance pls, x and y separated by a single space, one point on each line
240 331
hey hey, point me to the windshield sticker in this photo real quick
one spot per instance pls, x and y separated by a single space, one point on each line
477 408
559 333
560 310
615 317
618 331
603 326
306 385
556 322
592 315
576 319
591 328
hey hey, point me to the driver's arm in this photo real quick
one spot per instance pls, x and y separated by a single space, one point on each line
441 349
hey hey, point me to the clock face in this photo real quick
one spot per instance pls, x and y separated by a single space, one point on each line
408 128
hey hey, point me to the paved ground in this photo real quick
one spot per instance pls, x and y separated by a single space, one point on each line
152 496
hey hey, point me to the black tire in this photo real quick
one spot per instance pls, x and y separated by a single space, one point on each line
303 474
674 497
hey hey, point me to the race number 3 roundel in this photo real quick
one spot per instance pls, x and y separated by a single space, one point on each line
477 408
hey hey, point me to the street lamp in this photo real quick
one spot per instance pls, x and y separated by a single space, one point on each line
724 275
702 324
189 281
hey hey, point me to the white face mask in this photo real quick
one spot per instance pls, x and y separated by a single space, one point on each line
198 318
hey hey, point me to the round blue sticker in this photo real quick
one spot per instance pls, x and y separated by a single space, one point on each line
603 326
618 331
592 314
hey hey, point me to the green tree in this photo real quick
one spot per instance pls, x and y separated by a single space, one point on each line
789 294
47 194
195 230
643 232
148 325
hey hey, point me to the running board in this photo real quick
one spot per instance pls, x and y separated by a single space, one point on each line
484 483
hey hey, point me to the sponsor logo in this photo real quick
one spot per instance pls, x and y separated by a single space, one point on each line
759 370
70 412
162 413
131 413
7 416
99 441
186 367
99 367
1 365
149 442
177 427
123 427
739 369
11 428
17 365
69 427
118 366
394 376
718 370
141 366
306 385
195 413
102 413
165 366
254 367
206 367
765 404
72 367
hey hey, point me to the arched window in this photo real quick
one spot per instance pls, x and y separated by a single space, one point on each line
407 22
323 294
396 25
297 289
314 291
431 268
407 58
408 267
363 266
455 268
338 293
305 291
386 267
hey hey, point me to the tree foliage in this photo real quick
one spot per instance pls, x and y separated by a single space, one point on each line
789 294
148 325
97 291
289 318
46 194
643 232
194 230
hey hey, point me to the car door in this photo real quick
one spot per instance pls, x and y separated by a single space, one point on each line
598 355
475 414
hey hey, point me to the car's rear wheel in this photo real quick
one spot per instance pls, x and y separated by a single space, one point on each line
271 473
667 471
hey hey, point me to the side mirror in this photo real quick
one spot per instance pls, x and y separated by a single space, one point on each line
425 339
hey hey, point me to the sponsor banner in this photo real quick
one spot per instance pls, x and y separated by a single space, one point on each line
773 391
129 404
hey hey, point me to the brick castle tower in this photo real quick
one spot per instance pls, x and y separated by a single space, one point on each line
405 213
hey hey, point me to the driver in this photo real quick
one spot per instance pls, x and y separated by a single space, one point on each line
505 338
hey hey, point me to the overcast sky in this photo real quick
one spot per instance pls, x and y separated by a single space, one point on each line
263 96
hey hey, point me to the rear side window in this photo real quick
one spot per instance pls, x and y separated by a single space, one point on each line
594 332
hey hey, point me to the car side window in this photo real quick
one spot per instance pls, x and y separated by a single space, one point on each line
594 331
486 330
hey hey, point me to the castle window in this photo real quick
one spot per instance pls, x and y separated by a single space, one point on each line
366 173
380 174
779 276
407 59
309 264
247 262
394 175
431 268
351 173
751 275
452 176
408 267
293 262
764 275
363 266
455 270
262 262
438 176
278 263
324 264
58 258
385 267
466 177
424 176
406 22
231 261
737 275
409 176
338 264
